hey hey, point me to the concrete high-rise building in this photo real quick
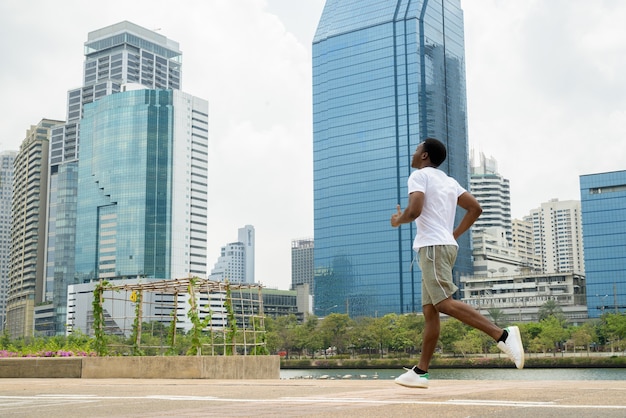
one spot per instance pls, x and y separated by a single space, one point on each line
28 232
494 254
302 262
493 193
386 75
142 187
603 204
523 241
558 237
236 260
6 190
121 57
246 237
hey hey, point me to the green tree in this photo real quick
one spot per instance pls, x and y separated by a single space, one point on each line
497 316
363 337
272 338
553 332
583 336
550 308
286 333
411 326
615 329
472 342
335 331
452 330
382 330
534 345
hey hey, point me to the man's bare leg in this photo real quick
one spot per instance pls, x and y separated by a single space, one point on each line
430 337
469 316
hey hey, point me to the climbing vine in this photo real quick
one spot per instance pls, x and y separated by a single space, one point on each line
135 336
260 348
231 334
197 324
100 340
171 333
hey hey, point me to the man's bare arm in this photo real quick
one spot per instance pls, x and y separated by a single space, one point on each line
412 211
471 205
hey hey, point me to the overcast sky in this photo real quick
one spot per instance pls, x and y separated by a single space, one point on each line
546 84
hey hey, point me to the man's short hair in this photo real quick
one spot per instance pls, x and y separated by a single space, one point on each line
436 151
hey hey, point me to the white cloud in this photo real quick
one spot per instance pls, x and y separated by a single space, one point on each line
545 95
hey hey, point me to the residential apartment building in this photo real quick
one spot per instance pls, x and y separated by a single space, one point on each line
493 193
236 260
28 232
522 240
558 238
6 191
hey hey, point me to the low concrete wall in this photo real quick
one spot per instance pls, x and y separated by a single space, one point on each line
182 367
41 367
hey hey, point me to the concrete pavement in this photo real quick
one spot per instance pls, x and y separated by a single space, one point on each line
68 398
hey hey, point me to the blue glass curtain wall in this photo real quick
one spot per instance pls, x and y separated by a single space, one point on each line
124 183
386 74
603 206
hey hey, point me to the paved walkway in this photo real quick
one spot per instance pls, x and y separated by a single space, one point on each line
308 398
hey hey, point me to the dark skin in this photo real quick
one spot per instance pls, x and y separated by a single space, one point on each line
449 306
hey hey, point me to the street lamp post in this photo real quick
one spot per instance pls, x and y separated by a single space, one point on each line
325 310
602 306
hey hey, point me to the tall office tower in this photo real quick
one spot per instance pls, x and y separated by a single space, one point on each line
6 191
386 75
236 260
493 193
246 237
142 186
603 203
28 232
123 53
558 237
522 240
302 262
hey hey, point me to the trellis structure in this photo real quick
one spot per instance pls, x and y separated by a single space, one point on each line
232 317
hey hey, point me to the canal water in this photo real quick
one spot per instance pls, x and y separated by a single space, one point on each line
461 374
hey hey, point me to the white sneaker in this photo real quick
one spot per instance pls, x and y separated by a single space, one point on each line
412 380
513 347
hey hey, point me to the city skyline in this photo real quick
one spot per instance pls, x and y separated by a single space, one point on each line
542 78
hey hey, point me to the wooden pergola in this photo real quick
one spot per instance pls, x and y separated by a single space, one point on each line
246 301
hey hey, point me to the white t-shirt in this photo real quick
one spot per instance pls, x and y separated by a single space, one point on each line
436 222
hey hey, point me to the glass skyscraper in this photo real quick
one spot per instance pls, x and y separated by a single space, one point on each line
119 57
603 206
386 75
142 187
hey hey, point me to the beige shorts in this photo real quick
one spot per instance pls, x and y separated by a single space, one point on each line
436 262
